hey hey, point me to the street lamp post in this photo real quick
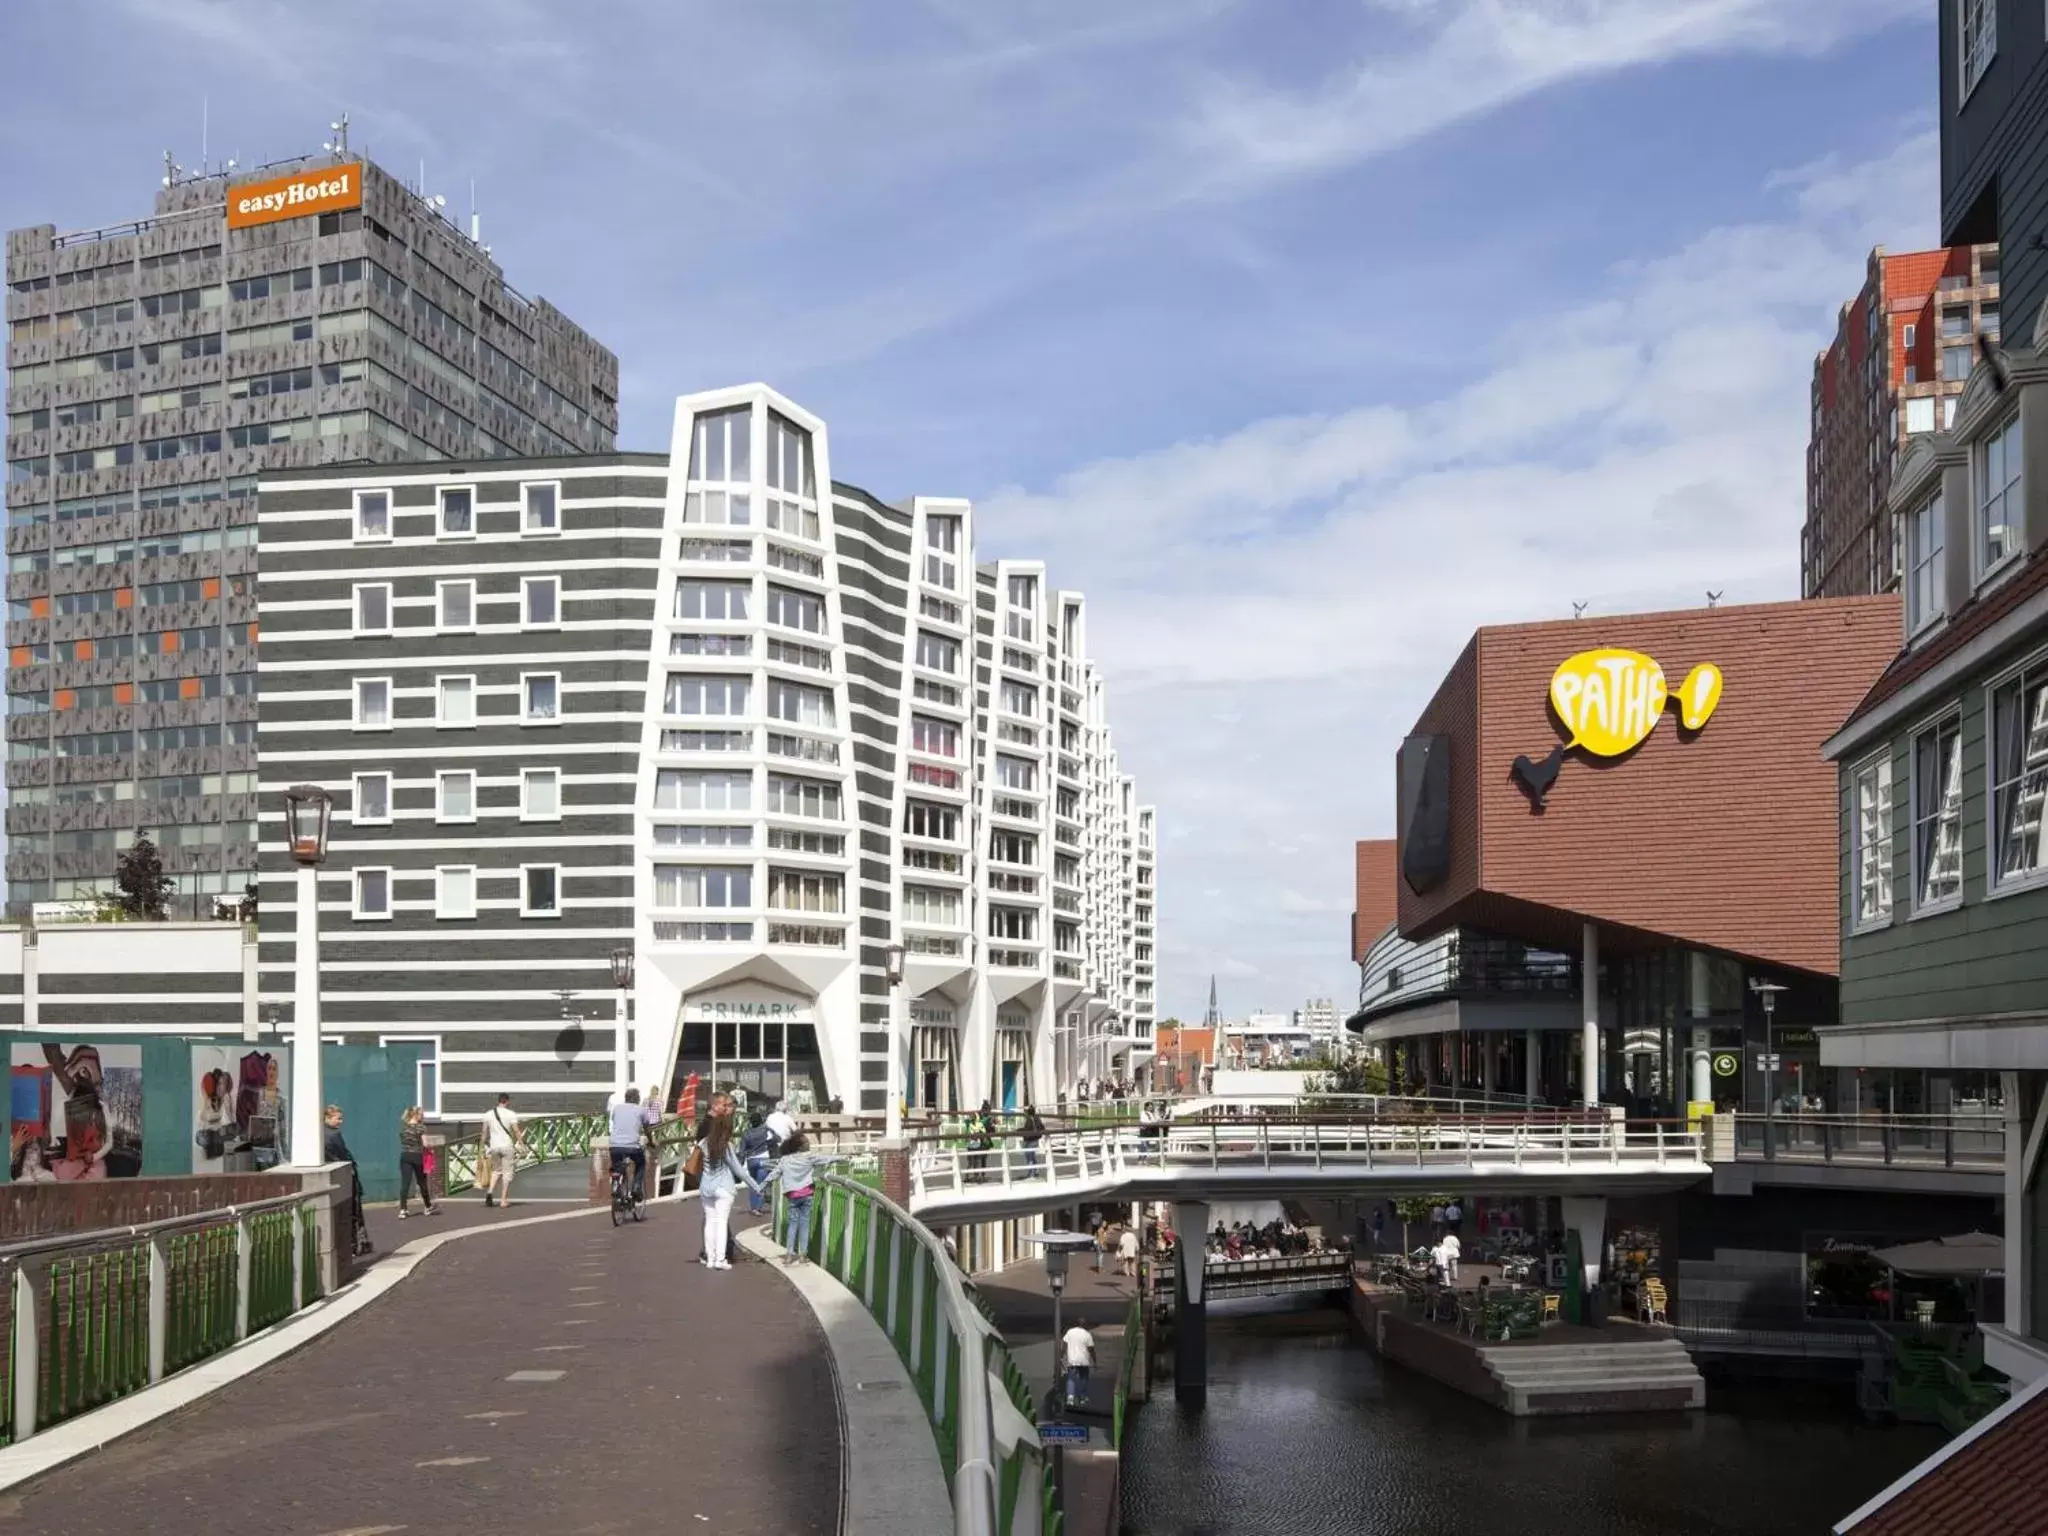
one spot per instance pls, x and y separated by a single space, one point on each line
892 1109
1767 992
307 808
622 1055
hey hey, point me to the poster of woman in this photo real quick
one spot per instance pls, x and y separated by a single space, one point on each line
238 1108
76 1112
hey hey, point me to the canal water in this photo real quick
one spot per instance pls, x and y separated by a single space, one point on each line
1308 1434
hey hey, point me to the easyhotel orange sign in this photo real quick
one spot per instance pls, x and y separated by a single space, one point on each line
295 196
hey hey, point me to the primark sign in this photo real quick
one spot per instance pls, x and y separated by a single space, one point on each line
747 1010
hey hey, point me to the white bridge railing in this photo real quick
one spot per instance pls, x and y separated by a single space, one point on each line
1322 1150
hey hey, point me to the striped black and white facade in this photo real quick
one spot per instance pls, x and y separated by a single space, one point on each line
689 705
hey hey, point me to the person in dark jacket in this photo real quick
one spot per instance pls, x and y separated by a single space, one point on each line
755 1147
412 1161
1032 1135
335 1150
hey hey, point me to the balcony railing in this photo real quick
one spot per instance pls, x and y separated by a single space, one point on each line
1969 1143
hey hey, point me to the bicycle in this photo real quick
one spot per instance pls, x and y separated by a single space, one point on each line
626 1200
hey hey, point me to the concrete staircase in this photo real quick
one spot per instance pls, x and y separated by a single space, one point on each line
1633 1376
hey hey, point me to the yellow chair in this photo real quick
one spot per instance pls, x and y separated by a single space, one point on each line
1652 1306
1550 1308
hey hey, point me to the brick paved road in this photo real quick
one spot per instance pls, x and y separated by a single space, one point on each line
683 1394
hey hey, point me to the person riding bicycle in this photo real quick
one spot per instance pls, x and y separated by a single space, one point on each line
630 1122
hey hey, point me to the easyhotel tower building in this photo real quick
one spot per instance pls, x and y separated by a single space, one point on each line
313 312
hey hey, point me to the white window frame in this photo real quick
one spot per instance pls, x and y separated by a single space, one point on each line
355 893
526 811
1934 728
441 720
526 717
526 527
1998 882
524 890
356 818
2011 497
356 515
1935 515
441 777
441 494
1885 846
442 910
419 1095
1986 54
527 587
356 593
441 591
356 704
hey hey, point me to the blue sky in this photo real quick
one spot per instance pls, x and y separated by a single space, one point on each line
1303 337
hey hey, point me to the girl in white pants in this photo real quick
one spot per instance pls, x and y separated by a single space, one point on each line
723 1174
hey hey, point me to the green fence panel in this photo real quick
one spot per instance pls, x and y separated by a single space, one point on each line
200 1298
95 1331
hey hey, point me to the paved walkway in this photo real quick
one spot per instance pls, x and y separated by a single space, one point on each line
560 1379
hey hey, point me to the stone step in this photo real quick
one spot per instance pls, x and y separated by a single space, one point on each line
1587 1353
1588 1377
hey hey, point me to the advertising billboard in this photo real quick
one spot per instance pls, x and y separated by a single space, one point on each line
295 196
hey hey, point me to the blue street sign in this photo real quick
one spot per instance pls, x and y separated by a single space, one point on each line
1076 1433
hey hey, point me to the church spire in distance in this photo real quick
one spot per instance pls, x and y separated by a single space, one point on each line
1213 1018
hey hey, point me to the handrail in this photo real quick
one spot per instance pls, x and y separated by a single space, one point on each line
1110 1158
96 1315
1134 1341
26 1247
993 1445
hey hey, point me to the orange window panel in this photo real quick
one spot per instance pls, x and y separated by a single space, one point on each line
18 657
252 632
188 687
39 607
170 641
124 693
82 651
64 698
124 597
210 587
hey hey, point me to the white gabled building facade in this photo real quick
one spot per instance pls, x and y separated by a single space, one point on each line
842 732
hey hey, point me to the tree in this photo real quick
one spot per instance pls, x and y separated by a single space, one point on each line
1353 1074
142 891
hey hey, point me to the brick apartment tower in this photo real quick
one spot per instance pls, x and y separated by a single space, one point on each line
1903 349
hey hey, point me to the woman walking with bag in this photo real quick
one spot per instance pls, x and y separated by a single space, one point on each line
720 1173
412 1161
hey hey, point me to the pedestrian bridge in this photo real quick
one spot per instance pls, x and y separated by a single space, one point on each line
1271 1157
1297 1274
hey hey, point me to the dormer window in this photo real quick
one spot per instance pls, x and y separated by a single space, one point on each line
1924 599
1997 521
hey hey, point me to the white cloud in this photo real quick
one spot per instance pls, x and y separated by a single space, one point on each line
1481 55
1274 606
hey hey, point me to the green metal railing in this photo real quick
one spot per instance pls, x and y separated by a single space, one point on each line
95 1316
550 1139
976 1399
1134 1344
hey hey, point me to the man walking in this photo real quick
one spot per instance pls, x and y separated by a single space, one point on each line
504 1135
1080 1347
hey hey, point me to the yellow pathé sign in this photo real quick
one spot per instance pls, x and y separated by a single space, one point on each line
1610 700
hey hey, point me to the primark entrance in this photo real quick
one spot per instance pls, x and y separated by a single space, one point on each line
767 1048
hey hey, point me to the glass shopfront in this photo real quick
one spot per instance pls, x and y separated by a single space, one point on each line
934 1056
769 1050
